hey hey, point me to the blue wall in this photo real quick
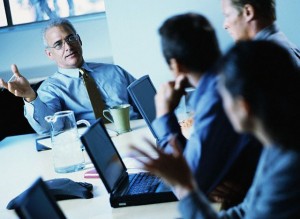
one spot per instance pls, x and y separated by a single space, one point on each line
134 38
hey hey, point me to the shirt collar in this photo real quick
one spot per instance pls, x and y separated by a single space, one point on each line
207 80
267 31
74 72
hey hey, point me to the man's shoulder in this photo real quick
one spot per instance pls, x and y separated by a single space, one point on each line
54 80
105 67
96 65
54 77
284 163
109 70
280 38
207 87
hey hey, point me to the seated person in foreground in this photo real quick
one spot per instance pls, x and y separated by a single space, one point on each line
214 151
65 89
262 99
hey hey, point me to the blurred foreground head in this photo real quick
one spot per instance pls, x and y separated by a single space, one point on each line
260 85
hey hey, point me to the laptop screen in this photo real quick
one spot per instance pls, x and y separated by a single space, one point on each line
37 202
103 154
142 91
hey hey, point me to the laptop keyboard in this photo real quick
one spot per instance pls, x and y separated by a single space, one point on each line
143 183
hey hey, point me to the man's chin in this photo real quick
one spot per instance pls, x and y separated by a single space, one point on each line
233 37
70 65
238 39
75 61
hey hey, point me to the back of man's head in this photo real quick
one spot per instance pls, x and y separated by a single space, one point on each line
264 8
191 40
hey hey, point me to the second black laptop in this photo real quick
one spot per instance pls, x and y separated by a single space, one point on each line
142 92
125 189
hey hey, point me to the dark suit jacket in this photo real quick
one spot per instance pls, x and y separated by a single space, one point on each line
275 192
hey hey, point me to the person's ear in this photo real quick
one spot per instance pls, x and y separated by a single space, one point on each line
245 114
248 12
79 39
177 67
173 64
48 54
244 108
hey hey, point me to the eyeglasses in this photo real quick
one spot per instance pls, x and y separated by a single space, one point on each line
71 40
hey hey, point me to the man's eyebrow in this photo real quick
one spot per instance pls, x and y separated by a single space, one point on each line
58 41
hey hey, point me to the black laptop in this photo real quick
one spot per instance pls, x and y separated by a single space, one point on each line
37 202
142 92
125 189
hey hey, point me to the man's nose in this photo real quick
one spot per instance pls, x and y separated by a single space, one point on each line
225 25
67 45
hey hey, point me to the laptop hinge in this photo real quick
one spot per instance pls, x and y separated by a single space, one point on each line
120 182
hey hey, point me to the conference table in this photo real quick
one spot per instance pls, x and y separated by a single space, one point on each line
21 165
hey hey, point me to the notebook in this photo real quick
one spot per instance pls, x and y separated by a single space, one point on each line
111 169
142 92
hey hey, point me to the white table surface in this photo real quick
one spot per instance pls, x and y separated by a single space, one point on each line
21 165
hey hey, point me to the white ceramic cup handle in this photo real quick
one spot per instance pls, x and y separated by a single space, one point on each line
107 117
83 121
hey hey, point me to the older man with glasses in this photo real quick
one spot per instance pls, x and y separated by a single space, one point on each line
66 89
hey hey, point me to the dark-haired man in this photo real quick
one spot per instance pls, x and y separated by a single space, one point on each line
214 149
252 104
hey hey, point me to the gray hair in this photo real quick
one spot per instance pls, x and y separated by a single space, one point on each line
55 22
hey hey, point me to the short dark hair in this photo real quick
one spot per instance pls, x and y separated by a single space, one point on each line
264 74
191 40
265 8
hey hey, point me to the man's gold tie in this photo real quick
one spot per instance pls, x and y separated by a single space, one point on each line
94 94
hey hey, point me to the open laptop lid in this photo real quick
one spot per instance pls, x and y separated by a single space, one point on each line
37 202
142 92
104 155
